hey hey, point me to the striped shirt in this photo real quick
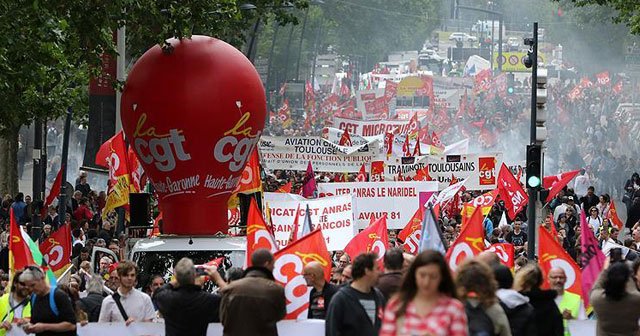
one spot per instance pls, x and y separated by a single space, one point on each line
446 319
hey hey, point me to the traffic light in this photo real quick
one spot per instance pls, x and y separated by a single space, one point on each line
511 79
534 166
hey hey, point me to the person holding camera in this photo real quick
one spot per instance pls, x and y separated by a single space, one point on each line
615 299
186 308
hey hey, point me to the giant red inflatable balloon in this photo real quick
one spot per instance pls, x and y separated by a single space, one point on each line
193 116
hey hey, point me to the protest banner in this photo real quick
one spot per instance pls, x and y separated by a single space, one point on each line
480 168
370 127
334 215
295 153
397 200
333 135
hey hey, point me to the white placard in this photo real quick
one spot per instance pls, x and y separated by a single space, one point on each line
334 215
398 200
294 153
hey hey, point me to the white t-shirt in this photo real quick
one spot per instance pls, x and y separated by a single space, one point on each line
581 185
136 304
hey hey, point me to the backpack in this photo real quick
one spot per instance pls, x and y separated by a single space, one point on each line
479 322
52 301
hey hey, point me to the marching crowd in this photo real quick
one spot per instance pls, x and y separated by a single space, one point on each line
408 295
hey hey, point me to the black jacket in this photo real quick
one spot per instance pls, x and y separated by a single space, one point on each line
547 316
346 315
588 202
187 310
328 291
91 305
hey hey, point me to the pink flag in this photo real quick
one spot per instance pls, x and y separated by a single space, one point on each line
309 188
592 258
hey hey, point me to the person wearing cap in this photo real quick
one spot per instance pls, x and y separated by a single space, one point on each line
568 202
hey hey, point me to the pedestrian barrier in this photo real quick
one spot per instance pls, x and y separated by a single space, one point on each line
285 328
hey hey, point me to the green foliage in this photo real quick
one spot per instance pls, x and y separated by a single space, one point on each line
51 47
624 11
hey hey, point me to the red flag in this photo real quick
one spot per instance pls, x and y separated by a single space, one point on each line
250 181
258 235
113 154
283 89
435 141
18 248
390 90
603 78
388 143
406 148
345 139
284 113
557 182
554 232
362 174
53 194
289 263
462 108
156 226
552 255
372 239
423 174
469 243
617 89
413 128
613 216
411 233
483 80
511 192
377 171
285 188
135 169
56 250
485 201
416 149
505 253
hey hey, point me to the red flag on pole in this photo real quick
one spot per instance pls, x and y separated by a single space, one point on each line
285 188
552 255
258 235
345 139
505 253
511 192
469 243
613 216
53 194
372 239
289 263
362 174
19 252
56 249
411 233
557 182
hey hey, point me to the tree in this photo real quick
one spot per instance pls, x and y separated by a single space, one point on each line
624 11
51 48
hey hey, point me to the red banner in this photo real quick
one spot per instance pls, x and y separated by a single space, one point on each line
258 235
552 255
411 233
289 263
505 253
250 181
510 190
469 243
372 239
56 249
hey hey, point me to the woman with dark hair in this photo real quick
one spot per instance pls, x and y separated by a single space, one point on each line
426 303
547 317
615 300
477 288
604 205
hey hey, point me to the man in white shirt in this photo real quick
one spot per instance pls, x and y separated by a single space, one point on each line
582 183
136 306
